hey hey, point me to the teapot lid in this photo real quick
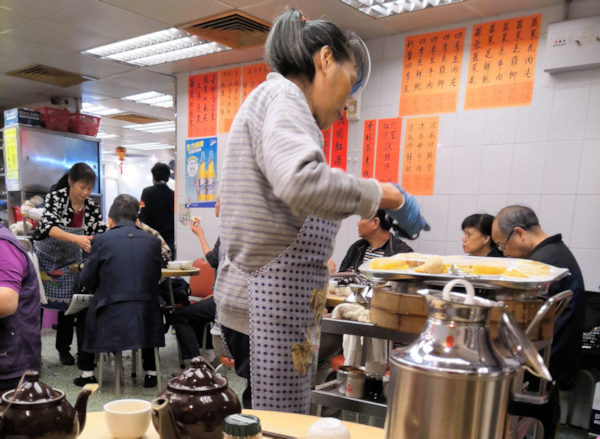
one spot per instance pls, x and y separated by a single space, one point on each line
198 378
32 390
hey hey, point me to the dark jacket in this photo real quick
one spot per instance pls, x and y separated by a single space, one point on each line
356 252
568 328
157 210
20 341
123 271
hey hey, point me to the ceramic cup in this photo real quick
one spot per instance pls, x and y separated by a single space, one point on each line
328 428
127 418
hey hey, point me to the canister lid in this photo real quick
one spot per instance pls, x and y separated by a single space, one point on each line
241 425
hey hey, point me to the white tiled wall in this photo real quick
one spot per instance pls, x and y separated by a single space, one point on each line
545 155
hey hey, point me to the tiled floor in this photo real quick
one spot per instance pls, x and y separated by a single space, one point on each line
61 377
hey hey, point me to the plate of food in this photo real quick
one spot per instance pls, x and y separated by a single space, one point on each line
180 265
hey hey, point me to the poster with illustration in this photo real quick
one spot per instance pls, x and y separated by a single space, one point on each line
200 172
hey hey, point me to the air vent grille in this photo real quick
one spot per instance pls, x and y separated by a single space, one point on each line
50 75
234 29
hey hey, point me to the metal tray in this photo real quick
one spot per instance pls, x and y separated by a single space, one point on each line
540 283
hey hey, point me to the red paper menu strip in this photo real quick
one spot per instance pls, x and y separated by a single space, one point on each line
502 64
368 157
229 97
202 105
327 145
253 75
420 146
389 132
431 72
339 143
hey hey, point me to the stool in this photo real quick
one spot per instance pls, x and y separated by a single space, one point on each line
136 365
226 363
337 361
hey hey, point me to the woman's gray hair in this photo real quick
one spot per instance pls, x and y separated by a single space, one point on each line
294 40
516 216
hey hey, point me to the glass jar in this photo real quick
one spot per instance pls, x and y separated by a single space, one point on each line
241 426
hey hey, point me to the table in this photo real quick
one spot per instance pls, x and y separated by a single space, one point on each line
283 423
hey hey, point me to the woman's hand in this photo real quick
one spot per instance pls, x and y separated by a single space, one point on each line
391 197
195 226
84 242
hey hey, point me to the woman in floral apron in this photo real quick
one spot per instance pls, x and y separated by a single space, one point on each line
281 205
64 235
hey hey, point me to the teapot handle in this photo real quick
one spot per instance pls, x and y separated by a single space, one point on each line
465 283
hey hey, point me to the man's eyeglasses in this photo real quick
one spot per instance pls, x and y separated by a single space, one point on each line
503 246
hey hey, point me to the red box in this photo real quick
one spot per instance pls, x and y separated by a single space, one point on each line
84 124
54 118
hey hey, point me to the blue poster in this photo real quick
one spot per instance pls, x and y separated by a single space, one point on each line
200 172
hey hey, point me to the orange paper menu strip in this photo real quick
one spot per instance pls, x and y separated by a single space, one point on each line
202 105
502 63
420 146
253 75
229 97
327 145
431 72
368 157
339 143
389 132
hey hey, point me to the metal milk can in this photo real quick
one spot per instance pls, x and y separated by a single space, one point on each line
453 382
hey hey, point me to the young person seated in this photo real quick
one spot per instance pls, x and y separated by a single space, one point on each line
376 241
477 239
122 271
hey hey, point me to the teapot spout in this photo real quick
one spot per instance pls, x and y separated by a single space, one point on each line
167 426
81 403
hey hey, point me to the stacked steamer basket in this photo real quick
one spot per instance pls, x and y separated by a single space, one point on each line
520 284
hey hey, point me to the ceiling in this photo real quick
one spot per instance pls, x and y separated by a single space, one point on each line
54 32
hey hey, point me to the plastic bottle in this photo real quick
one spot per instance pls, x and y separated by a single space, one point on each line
210 177
202 178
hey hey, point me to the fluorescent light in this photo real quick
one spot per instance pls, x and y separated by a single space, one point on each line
385 8
157 127
156 48
153 98
98 110
102 135
149 146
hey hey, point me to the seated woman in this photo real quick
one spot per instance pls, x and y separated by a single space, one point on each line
376 241
477 239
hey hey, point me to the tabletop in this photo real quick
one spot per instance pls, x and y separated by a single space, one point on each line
177 272
283 423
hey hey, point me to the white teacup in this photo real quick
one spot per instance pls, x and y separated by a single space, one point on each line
127 418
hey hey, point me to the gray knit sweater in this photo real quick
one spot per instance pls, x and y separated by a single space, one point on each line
274 177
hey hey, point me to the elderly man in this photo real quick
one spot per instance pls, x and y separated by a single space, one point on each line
518 234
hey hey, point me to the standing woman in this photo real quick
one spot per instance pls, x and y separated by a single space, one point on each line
62 240
281 206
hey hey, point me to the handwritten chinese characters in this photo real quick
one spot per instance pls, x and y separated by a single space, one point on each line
327 144
431 72
389 132
420 145
202 105
502 64
339 143
368 158
253 75
229 97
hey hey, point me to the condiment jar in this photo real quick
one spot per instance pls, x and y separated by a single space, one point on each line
355 383
240 426
373 389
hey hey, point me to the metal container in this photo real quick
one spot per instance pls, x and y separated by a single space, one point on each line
453 381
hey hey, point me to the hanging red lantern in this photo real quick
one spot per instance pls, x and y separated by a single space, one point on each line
120 151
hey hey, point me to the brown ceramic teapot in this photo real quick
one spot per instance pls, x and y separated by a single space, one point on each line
194 404
36 411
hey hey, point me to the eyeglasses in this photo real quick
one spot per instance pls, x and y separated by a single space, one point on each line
503 246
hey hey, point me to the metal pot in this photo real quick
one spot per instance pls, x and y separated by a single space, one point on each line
453 382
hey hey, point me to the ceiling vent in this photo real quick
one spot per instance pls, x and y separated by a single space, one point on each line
50 75
135 118
234 29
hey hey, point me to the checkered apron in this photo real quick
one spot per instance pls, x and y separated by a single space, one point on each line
287 298
58 261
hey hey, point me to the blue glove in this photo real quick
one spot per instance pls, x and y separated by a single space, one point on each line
408 220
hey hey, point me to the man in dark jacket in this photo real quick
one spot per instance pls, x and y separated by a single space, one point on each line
157 205
20 341
376 241
123 271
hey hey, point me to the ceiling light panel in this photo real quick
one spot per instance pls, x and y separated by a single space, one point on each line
157 48
152 98
98 110
149 146
385 8
158 127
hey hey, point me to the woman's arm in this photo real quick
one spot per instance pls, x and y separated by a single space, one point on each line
84 242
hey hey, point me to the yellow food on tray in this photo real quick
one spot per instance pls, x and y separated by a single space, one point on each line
388 264
433 265
486 269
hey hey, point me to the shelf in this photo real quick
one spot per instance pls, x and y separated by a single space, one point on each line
337 326
328 396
